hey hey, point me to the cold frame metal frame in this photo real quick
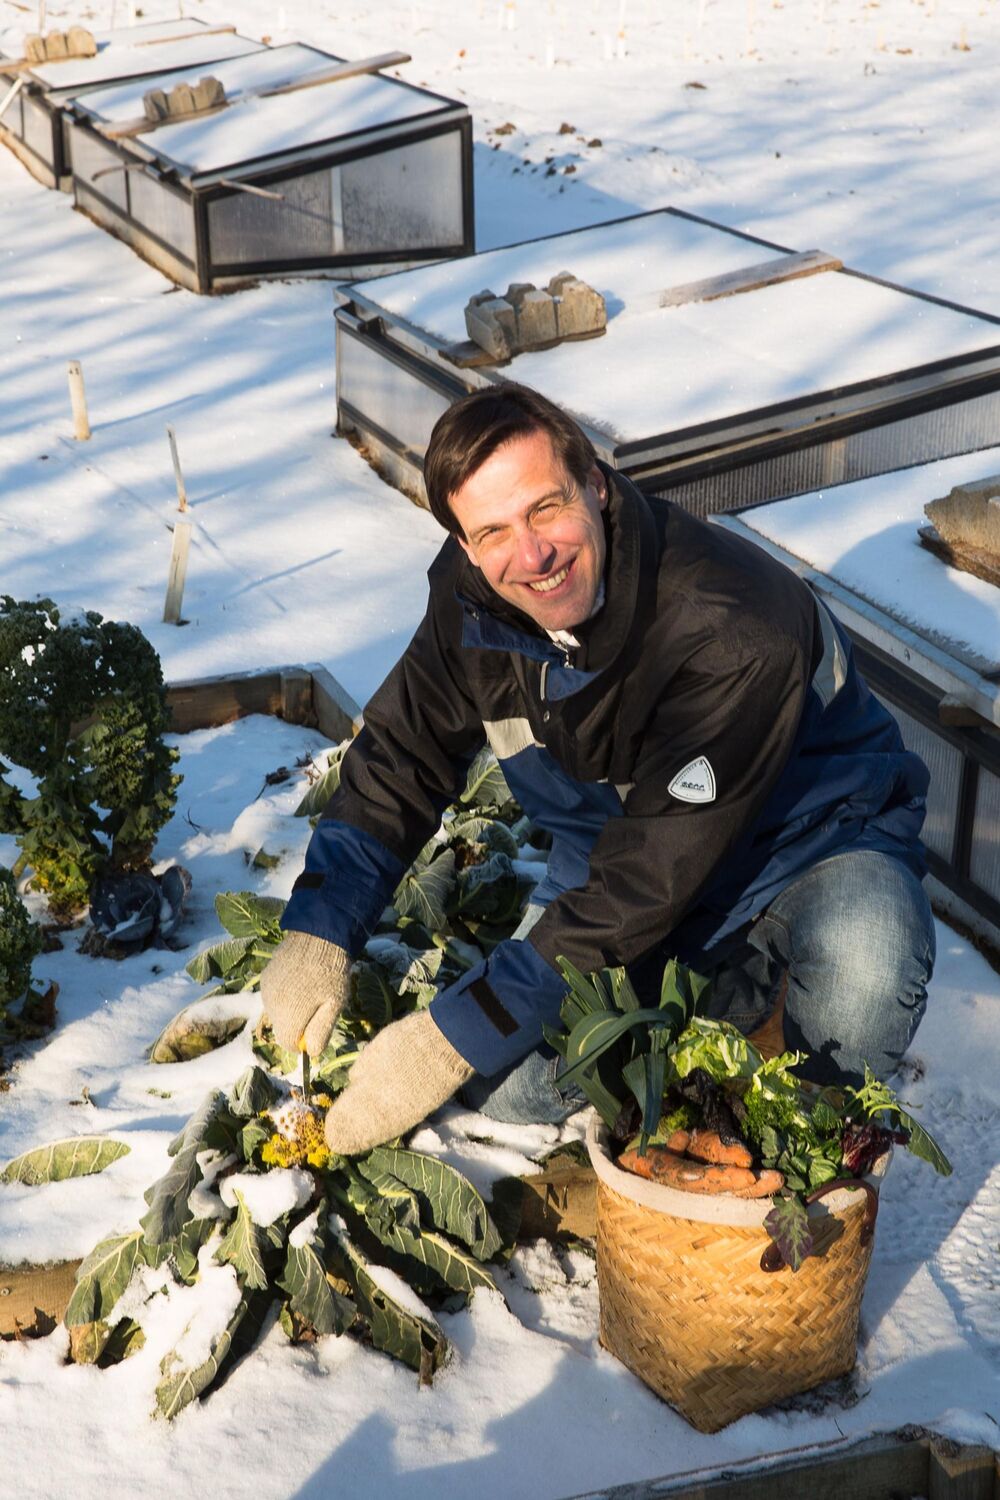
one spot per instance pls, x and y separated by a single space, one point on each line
932 410
199 270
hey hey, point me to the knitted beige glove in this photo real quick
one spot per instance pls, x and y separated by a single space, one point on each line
304 988
400 1078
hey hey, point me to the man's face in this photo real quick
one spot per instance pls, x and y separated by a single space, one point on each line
538 537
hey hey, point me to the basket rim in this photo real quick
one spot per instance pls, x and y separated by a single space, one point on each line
747 1213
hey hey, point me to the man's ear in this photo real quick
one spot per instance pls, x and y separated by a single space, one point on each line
599 484
466 548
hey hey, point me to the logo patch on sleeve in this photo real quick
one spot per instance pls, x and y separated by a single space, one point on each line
696 783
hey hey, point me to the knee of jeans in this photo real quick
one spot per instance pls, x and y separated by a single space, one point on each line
869 950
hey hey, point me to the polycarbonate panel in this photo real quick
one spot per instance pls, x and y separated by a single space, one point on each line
984 861
944 762
244 229
386 394
36 128
11 117
166 214
409 198
960 428
90 157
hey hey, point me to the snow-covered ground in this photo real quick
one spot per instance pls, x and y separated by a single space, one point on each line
867 129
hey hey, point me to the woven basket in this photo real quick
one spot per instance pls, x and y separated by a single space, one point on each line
686 1305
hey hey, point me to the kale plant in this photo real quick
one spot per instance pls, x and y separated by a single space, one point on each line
83 709
22 1009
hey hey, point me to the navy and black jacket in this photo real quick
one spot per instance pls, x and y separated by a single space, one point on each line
708 742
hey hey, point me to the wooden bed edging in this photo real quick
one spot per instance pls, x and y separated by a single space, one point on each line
892 1465
300 694
34 1298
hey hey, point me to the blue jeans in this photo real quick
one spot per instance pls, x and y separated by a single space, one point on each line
854 935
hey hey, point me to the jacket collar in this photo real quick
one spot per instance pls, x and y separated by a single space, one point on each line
630 536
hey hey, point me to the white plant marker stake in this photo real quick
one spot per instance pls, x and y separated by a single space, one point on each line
178 573
131 12
550 54
41 17
182 499
78 396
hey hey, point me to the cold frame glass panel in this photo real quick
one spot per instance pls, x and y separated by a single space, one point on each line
37 129
386 394
244 229
945 765
91 157
409 198
984 861
963 427
165 214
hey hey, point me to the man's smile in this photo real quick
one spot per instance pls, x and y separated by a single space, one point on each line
546 585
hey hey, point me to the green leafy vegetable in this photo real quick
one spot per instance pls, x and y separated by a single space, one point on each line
80 1156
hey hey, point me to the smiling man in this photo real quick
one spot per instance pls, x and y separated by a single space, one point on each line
683 717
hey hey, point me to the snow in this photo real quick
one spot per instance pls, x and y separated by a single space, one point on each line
261 69
268 1195
72 77
864 535
860 129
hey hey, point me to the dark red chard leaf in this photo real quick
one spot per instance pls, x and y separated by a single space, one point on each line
862 1146
788 1226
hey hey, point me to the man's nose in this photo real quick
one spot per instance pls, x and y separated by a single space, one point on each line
534 552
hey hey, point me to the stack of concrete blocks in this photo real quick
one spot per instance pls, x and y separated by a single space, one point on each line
183 99
56 46
528 317
968 521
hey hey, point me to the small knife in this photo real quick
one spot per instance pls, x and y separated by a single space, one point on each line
305 1068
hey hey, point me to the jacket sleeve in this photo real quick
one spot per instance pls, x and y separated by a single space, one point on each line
728 720
421 731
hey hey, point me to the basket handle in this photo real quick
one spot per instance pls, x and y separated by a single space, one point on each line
773 1260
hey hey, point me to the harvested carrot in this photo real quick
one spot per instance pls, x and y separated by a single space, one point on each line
768 1183
666 1167
678 1141
707 1145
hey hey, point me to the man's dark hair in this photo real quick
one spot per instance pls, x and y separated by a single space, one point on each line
471 431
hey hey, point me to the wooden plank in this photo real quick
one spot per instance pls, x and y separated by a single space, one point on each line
207 701
128 129
749 278
957 1472
880 1468
34 1298
297 696
182 499
975 560
337 714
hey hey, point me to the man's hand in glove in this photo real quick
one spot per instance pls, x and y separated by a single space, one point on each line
400 1078
304 988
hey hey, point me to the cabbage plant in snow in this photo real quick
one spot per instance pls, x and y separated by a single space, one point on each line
370 1246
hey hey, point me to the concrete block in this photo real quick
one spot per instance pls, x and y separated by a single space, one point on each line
208 93
181 100
34 48
579 309
56 49
81 42
558 281
492 325
155 106
969 516
536 319
517 291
